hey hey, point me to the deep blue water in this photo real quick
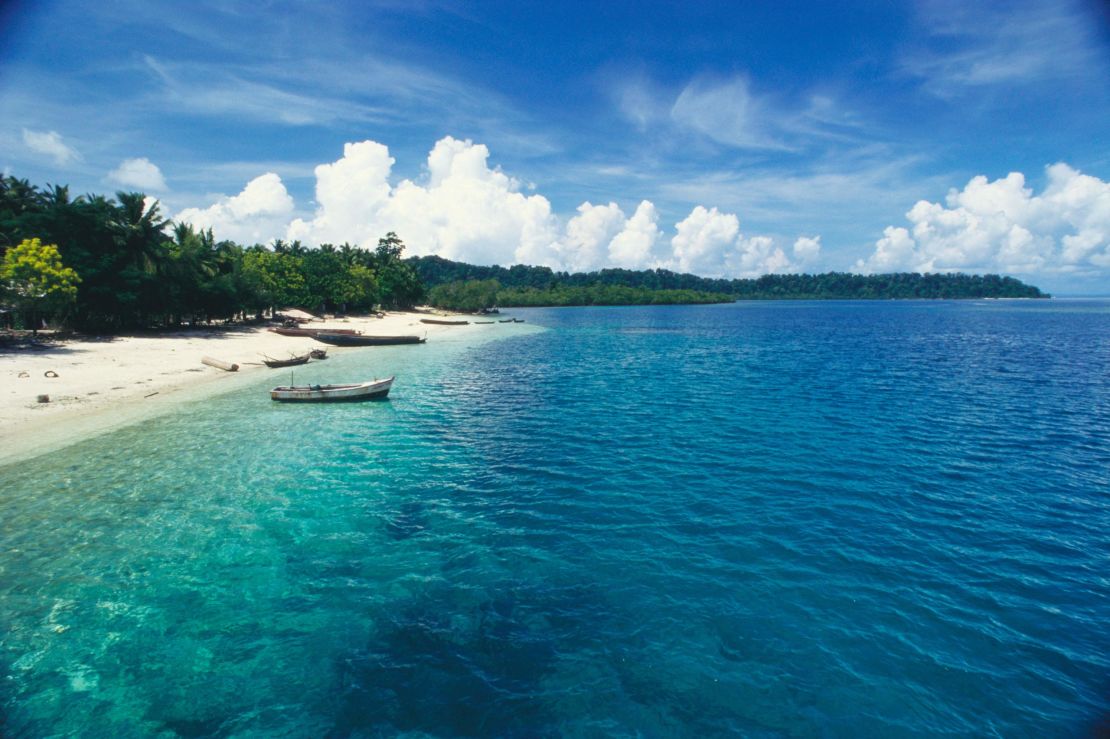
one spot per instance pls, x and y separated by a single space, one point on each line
763 519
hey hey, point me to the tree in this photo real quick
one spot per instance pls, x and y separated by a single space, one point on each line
35 278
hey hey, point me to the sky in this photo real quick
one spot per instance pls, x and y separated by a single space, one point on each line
721 138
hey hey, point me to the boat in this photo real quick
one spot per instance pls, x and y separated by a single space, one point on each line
443 322
360 340
506 320
318 354
291 362
479 322
373 390
286 331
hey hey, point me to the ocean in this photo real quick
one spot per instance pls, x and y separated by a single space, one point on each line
776 519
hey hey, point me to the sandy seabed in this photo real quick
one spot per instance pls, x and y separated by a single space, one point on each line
103 384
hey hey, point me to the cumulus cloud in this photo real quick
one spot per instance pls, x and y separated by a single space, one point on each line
256 215
807 249
709 242
1002 226
49 143
139 173
634 246
466 210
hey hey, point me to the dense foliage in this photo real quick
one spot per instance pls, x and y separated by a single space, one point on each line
135 269
476 295
831 285
469 295
33 276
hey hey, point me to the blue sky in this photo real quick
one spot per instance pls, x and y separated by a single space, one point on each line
720 138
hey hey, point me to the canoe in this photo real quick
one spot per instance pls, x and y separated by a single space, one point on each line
313 331
291 362
349 340
441 322
373 390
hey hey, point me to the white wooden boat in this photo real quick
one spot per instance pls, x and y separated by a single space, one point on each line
373 390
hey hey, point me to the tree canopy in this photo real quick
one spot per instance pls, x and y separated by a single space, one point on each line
134 268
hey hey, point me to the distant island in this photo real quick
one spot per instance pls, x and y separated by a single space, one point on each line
461 286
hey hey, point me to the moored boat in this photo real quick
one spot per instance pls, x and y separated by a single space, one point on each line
291 362
286 331
373 390
443 322
360 340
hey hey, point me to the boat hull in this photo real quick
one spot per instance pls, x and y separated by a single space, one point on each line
313 331
349 340
376 390
291 362
437 322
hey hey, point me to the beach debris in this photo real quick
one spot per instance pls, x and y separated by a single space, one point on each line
151 395
43 398
24 373
50 373
220 364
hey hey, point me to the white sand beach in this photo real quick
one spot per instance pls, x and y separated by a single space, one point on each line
105 383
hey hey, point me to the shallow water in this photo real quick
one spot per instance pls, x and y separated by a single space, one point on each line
772 519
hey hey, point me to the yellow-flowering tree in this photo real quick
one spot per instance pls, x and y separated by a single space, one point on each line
34 278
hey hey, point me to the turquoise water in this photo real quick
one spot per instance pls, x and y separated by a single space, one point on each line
762 519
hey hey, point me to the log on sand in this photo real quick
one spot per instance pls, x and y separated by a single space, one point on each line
219 364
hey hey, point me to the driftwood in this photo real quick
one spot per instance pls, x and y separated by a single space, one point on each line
219 364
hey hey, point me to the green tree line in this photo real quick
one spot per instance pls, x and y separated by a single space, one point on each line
133 268
830 285
475 295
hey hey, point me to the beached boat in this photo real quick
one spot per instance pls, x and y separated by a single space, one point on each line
443 322
373 390
360 340
291 362
318 354
286 331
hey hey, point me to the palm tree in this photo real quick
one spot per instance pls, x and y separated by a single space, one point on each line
139 232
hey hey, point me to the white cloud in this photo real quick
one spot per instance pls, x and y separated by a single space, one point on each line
139 173
726 112
976 45
1001 226
256 215
50 144
807 249
465 210
708 242
703 240
584 247
633 247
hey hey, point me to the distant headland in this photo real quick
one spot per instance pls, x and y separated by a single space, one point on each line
461 286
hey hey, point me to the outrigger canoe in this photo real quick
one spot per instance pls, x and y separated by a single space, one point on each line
291 362
373 390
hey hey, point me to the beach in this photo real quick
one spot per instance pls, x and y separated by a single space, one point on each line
103 383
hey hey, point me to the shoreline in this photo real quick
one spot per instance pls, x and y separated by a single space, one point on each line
106 384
